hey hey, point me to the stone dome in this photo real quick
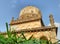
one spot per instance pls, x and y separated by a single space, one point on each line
30 10
29 14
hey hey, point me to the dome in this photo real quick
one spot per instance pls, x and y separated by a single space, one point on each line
30 10
28 14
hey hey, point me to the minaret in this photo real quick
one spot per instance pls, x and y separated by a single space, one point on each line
12 20
51 20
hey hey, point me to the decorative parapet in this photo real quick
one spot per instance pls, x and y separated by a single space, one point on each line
26 18
37 29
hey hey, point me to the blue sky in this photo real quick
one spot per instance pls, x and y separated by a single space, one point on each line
11 8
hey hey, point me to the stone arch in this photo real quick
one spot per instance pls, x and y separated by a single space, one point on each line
44 38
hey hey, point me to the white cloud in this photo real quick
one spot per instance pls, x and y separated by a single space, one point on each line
56 24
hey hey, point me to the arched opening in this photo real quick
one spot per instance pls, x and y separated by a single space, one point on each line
43 37
44 40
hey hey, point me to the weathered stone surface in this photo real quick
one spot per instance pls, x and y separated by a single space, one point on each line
30 17
26 25
30 21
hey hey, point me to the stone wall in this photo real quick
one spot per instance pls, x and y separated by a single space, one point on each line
50 35
27 25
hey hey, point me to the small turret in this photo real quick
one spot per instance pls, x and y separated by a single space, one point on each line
12 18
51 20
